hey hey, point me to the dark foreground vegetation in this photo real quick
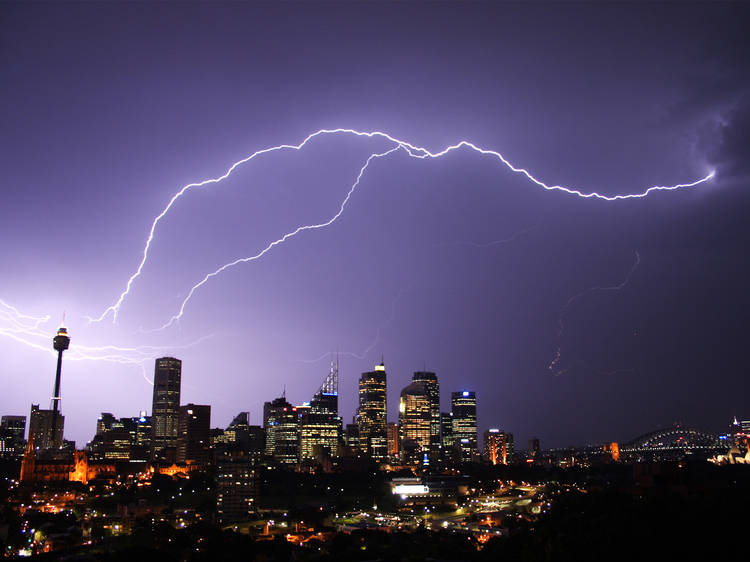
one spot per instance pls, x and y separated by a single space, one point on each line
688 512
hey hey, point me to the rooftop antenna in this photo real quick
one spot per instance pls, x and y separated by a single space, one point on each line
331 382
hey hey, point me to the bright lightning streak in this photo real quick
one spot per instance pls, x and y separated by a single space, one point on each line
125 355
278 241
27 330
11 312
413 151
20 327
554 364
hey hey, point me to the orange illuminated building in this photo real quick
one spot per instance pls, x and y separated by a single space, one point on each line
393 440
498 446
56 467
613 449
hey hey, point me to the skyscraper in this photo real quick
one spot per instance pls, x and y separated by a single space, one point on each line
414 422
140 436
165 409
446 431
112 440
464 410
498 446
45 428
282 431
12 430
432 387
235 485
237 433
351 436
320 425
373 435
240 436
193 434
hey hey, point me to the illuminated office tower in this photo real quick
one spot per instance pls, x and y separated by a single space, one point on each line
240 436
139 429
464 422
112 440
351 436
267 429
432 388
446 431
165 410
371 416
246 437
105 422
12 430
193 434
45 428
121 439
498 446
320 425
14 426
414 422
282 431
235 485
491 443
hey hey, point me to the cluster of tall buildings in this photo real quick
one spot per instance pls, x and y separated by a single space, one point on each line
173 433
424 433
176 433
311 434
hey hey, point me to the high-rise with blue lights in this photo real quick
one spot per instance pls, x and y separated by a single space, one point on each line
464 424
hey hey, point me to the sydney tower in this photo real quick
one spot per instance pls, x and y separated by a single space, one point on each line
60 342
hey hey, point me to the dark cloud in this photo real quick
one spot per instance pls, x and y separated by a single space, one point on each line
731 153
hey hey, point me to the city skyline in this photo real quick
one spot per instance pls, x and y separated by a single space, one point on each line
574 320
291 431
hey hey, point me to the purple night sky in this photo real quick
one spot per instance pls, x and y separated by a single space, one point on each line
456 263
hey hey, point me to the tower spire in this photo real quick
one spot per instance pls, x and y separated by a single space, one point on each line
331 383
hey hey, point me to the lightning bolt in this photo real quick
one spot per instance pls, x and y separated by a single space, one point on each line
278 241
21 327
411 149
555 363
28 330
491 243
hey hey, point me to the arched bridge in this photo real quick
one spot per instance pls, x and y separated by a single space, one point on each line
672 438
